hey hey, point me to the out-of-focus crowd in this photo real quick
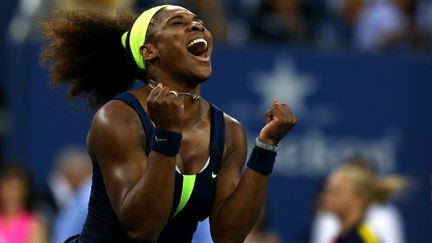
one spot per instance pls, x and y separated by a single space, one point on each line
354 204
353 199
50 212
366 25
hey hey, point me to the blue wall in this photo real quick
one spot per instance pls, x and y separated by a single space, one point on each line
376 106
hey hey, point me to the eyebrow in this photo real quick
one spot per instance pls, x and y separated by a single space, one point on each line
179 16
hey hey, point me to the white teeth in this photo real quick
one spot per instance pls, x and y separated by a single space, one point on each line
198 41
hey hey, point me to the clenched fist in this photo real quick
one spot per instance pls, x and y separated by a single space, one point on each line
279 121
166 108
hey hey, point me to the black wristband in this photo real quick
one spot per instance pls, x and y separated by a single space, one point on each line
166 142
262 160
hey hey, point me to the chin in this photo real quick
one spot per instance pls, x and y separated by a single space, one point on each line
203 75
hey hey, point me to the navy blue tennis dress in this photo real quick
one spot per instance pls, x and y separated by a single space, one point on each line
193 194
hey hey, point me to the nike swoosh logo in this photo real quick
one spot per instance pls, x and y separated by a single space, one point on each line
214 175
160 139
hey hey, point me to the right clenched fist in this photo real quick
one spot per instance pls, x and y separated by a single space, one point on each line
166 108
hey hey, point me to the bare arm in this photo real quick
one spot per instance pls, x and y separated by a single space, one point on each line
239 199
38 231
140 187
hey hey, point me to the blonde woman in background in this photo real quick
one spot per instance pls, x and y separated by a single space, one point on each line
359 199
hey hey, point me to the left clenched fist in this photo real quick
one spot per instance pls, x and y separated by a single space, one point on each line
279 121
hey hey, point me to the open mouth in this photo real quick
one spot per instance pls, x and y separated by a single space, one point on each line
198 48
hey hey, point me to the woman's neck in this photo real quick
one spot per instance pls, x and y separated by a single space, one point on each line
189 92
177 82
194 106
11 210
350 219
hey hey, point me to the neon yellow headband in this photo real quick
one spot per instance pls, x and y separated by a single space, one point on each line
137 36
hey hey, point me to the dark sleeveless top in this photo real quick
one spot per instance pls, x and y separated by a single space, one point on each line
193 194
360 233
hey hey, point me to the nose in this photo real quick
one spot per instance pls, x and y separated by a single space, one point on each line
197 26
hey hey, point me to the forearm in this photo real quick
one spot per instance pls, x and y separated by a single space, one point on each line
38 232
239 200
147 206
239 213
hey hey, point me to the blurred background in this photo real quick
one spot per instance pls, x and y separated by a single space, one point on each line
358 74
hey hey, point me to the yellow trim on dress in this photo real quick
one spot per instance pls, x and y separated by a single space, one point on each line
367 234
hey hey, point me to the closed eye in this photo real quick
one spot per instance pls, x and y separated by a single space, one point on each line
176 20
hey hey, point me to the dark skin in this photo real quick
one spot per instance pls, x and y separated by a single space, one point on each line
135 181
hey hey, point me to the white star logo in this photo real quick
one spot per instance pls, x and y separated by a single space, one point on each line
286 84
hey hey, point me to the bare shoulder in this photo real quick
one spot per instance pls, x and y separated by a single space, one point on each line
232 125
235 136
38 220
114 113
113 124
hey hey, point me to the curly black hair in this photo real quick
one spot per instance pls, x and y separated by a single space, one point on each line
84 51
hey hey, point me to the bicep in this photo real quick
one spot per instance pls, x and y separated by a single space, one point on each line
117 143
230 172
